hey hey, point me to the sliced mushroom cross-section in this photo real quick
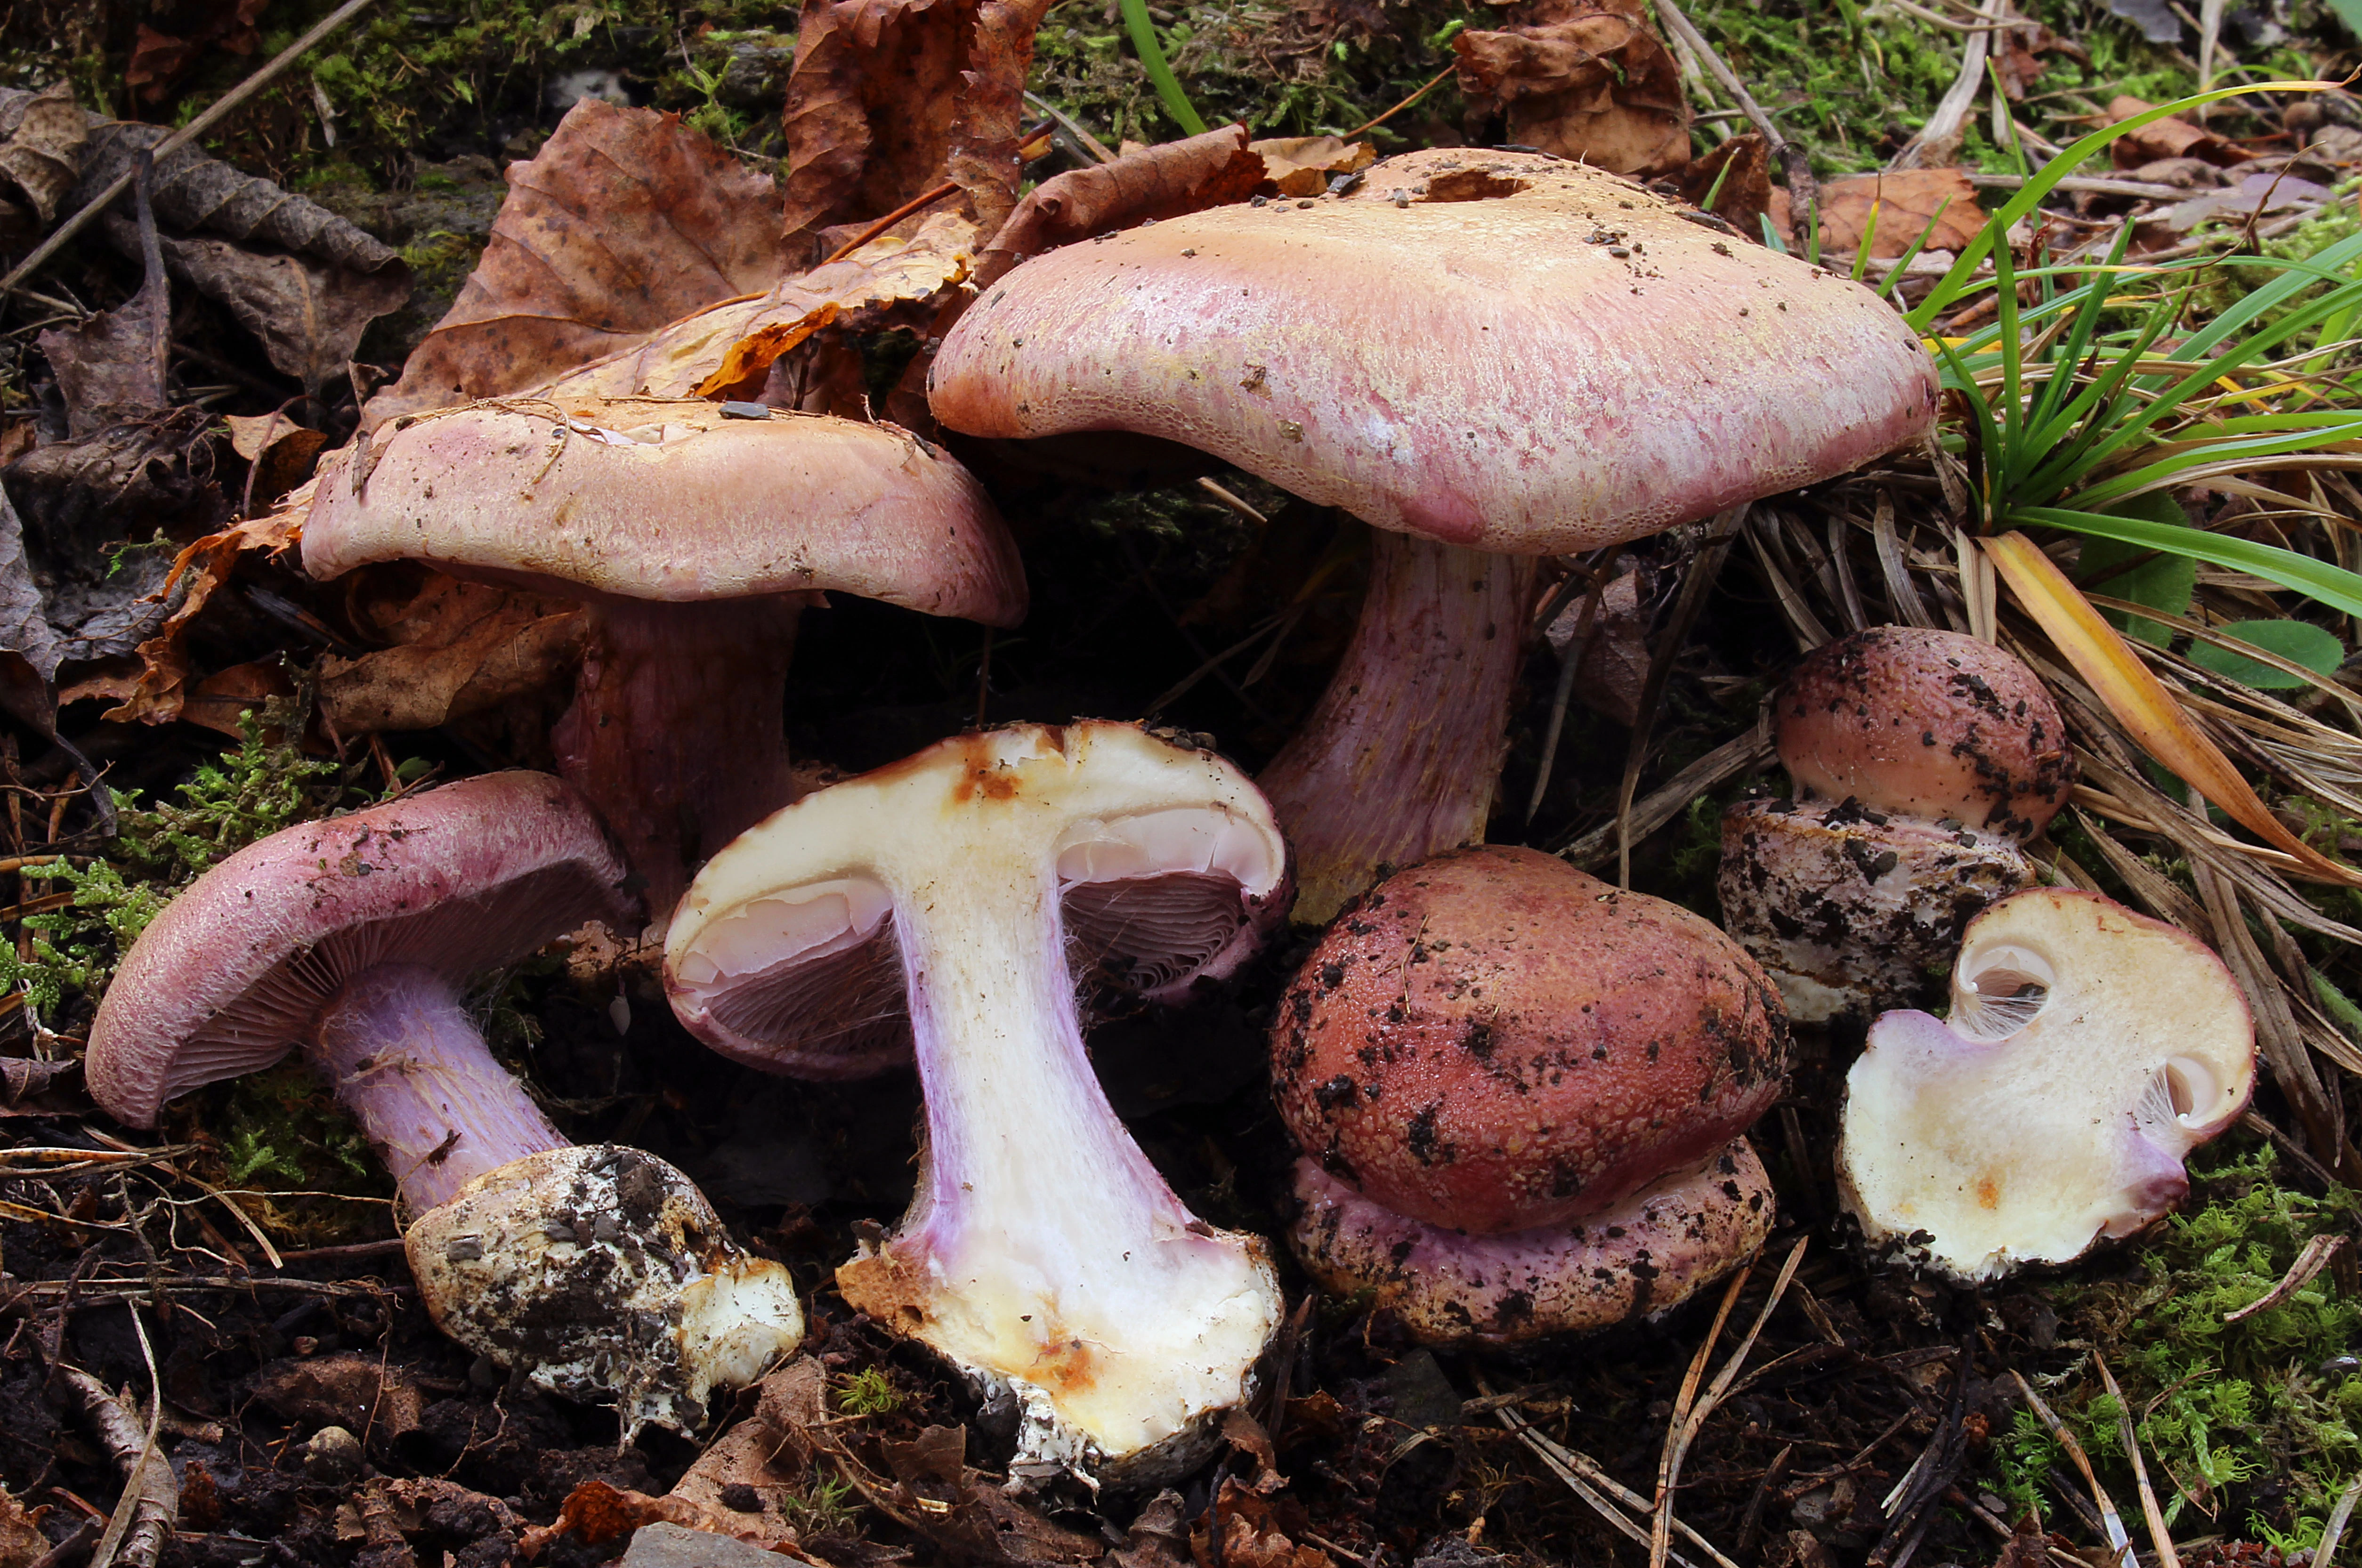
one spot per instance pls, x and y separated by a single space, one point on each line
953 896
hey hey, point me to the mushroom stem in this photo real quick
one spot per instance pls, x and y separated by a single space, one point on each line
677 733
409 1064
1402 755
1043 1249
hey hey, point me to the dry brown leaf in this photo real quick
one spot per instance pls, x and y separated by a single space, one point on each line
223 699
1302 165
1736 177
626 221
892 98
110 367
1155 182
688 355
1583 79
159 59
596 1512
1908 200
161 688
282 454
756 1455
41 140
2171 137
460 649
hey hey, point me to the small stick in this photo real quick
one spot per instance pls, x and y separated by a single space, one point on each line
1803 191
2120 1541
2330 1532
1703 570
1587 1481
2158 1535
1440 79
915 203
181 138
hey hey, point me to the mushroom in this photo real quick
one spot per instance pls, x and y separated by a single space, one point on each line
696 536
1521 1096
1043 1254
1921 762
600 1271
2087 1051
1488 355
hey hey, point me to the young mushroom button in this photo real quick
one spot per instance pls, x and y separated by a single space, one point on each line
1921 762
1521 1096
601 1272
947 895
696 541
2087 1051
1528 356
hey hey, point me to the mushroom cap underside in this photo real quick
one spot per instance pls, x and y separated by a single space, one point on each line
1524 356
1167 861
663 500
2089 1049
230 976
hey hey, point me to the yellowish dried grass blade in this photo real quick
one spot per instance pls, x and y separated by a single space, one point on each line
2140 701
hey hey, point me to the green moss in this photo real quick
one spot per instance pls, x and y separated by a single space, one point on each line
2217 1405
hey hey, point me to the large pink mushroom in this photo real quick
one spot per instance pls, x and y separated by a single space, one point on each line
1922 762
1490 356
696 539
1522 1098
600 1271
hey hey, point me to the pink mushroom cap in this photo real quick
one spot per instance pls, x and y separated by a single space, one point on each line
231 977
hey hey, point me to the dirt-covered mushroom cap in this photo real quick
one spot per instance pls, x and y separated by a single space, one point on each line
1495 1041
696 539
235 972
1925 723
1648 1253
2089 1049
1527 355
1921 762
1043 1254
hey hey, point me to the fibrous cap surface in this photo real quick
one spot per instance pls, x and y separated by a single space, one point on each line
229 978
1527 356
2039 1120
663 500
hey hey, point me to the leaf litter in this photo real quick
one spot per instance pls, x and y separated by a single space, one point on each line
1868 1397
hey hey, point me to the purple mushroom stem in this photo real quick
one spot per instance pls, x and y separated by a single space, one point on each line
674 732
411 1066
1402 754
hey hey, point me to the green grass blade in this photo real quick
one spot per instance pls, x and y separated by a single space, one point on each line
1987 431
2088 303
2045 179
2334 586
1160 74
1861 251
1910 251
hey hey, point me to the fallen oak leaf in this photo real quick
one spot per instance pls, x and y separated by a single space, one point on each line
2171 137
41 140
1154 183
1908 200
459 648
626 221
1302 165
1582 78
888 275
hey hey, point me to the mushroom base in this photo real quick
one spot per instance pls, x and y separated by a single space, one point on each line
1851 912
605 1276
1643 1256
1402 755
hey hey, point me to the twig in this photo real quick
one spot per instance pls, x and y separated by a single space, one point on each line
1587 1481
2330 1532
2309 1263
1732 757
2119 1542
2159 1536
1690 1412
1578 648
1440 77
1073 127
1803 191
915 203
1940 137
181 138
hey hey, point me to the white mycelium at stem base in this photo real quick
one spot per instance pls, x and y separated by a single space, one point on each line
408 1064
1043 1253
